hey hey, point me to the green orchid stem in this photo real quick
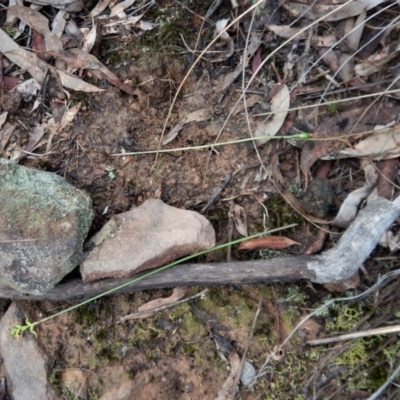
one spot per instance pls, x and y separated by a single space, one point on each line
300 136
31 325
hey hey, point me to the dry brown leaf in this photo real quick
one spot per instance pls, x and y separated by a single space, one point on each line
240 219
89 38
77 58
296 205
255 42
3 119
23 58
40 23
151 308
316 242
100 7
287 32
346 70
340 125
73 82
195 116
38 68
59 23
10 82
316 11
34 138
5 133
378 146
330 58
280 105
115 26
268 242
375 62
39 46
68 5
344 286
386 177
118 9
354 36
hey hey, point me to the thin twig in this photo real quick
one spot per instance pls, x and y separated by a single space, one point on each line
250 337
377 394
356 335
161 308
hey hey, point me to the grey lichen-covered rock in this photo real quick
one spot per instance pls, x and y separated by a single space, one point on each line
43 224
145 237
26 364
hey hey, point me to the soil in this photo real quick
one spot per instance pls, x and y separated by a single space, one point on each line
173 355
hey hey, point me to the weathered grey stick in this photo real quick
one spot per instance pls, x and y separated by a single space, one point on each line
334 265
357 243
286 269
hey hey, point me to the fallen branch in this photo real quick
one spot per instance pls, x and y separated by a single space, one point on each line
287 269
334 265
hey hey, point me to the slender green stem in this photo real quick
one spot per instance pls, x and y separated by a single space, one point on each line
300 136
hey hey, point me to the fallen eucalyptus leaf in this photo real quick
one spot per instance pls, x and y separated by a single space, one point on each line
195 116
280 105
240 219
267 242
150 308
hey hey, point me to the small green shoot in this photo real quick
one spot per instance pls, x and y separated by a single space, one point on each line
333 108
19 330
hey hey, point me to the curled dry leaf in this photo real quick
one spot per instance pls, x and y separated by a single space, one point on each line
100 7
386 177
115 26
255 42
195 116
379 146
118 9
5 133
344 286
316 242
77 58
3 118
38 22
280 105
287 32
349 208
268 242
354 36
37 68
34 138
240 219
375 62
59 23
356 120
89 38
151 308
346 70
316 11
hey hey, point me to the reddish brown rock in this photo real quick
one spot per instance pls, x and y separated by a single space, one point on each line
145 237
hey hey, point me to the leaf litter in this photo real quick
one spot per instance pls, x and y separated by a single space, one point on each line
107 121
